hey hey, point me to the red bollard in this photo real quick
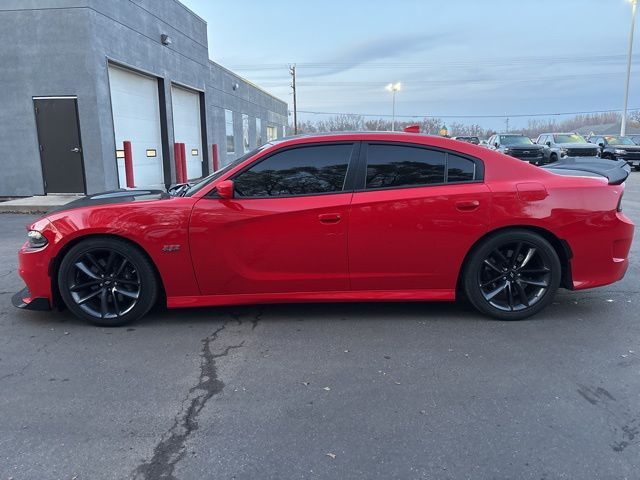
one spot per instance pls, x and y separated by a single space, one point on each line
128 164
214 157
176 155
183 159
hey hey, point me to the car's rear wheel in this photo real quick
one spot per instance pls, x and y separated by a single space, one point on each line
512 275
107 281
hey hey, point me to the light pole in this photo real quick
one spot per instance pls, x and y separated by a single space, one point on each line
623 127
393 88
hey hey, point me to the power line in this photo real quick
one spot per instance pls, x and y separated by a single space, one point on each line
519 115
506 61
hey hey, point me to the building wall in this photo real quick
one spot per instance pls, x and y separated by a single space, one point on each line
245 99
39 56
63 47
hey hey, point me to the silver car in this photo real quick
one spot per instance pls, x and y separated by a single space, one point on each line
566 145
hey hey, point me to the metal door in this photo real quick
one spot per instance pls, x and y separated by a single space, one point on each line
60 146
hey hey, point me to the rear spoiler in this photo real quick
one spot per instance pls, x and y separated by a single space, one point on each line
615 171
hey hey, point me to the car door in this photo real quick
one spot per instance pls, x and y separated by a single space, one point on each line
284 231
415 214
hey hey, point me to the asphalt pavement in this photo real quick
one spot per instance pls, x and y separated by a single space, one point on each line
324 391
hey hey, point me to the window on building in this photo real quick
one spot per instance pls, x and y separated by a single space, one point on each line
403 166
297 171
259 140
245 133
228 120
272 132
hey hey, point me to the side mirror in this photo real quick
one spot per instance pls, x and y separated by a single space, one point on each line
548 144
496 145
225 189
601 145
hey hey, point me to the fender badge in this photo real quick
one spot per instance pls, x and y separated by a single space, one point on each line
171 248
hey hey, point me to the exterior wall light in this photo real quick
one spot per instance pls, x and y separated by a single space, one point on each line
165 39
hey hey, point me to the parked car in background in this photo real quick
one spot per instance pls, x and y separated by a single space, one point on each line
615 147
339 217
566 144
635 138
468 139
518 146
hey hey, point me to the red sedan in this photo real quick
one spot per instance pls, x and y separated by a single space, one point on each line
343 217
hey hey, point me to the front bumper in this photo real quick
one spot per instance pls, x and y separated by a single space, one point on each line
23 299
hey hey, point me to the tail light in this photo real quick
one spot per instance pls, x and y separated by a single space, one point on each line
620 202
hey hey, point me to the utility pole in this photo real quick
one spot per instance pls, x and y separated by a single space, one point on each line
507 122
292 72
623 126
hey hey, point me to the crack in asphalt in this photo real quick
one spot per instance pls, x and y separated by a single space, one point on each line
171 448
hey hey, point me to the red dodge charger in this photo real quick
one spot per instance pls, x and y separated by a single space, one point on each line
341 217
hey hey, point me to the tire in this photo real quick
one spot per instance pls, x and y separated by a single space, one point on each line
553 158
107 281
637 168
528 284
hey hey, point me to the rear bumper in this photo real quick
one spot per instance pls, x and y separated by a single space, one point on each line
600 256
23 299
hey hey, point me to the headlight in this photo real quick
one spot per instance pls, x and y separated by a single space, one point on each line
506 150
36 239
564 151
620 151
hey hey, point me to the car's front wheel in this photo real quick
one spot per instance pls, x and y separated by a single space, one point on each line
512 275
107 281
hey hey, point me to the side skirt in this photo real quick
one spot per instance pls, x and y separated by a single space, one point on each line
301 297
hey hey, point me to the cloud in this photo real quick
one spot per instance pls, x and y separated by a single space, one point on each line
375 49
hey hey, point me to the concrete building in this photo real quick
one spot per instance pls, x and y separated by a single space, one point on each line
78 78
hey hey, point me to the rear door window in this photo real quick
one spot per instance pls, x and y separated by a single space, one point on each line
403 166
399 166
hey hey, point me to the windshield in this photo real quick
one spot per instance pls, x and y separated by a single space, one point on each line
569 138
618 140
218 173
515 140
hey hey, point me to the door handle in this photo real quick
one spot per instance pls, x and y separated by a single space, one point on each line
329 217
467 205
75 150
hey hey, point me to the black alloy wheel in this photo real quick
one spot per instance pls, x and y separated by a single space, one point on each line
107 281
512 275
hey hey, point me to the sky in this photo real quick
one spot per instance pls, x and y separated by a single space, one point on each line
453 58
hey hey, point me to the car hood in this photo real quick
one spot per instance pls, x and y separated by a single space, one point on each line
633 148
525 147
577 145
113 196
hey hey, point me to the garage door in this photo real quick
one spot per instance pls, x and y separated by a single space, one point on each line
187 127
136 117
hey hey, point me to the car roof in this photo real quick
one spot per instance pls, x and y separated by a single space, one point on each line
364 133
